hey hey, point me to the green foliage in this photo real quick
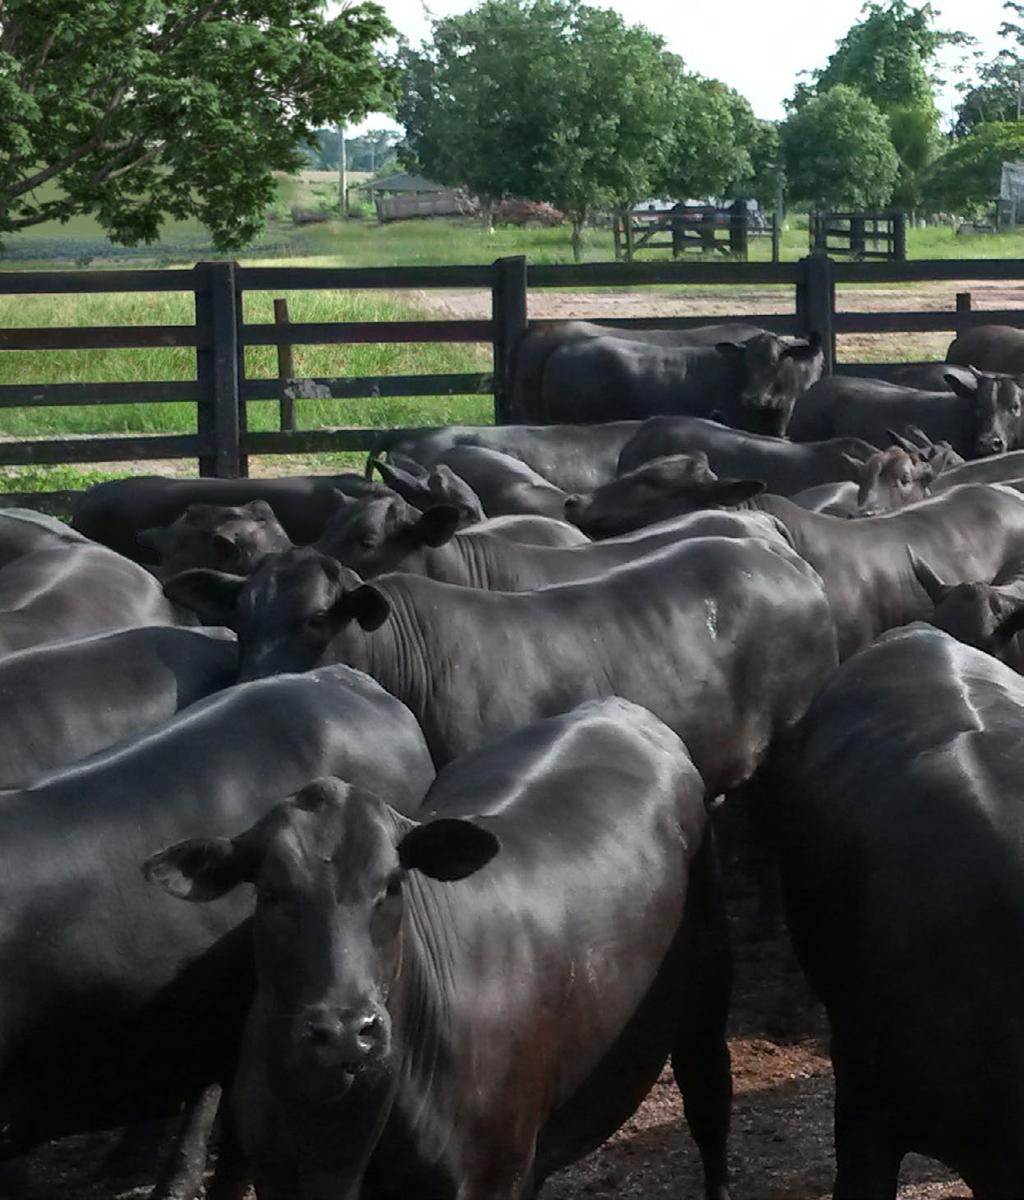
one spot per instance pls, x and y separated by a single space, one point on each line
838 151
966 177
140 110
886 55
554 100
711 137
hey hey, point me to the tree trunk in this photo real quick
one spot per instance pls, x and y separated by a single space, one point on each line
577 239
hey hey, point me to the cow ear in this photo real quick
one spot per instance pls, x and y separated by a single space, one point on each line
903 443
926 577
262 510
809 349
726 493
733 350
437 525
364 604
856 465
967 391
211 594
200 869
447 849
1008 626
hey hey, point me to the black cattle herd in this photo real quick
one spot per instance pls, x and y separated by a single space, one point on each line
382 817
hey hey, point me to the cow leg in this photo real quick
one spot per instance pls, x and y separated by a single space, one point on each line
867 1159
700 1055
182 1174
233 1172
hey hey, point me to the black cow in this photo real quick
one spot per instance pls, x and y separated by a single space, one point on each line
754 383
118 1002
902 831
990 347
982 416
503 484
62 702
784 467
533 350
387 535
424 487
576 458
966 534
988 616
114 513
929 377
23 530
70 588
423 1024
725 639
996 468
221 538
657 491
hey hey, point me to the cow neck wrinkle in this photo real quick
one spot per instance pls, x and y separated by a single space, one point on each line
398 649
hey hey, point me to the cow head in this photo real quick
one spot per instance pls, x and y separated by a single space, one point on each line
997 400
375 536
890 479
287 612
775 371
425 489
656 491
983 615
331 867
219 537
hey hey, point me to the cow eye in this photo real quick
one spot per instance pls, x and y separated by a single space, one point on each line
318 620
392 889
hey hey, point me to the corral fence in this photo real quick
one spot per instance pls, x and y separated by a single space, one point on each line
881 236
693 228
219 335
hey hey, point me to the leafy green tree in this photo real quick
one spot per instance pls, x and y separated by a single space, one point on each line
997 94
137 110
838 151
710 140
966 177
887 56
554 100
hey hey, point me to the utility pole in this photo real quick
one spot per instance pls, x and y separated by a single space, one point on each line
342 174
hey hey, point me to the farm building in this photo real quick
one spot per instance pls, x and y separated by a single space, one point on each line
399 197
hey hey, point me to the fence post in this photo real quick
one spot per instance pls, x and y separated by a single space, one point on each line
508 314
739 217
858 225
816 304
617 234
629 234
285 367
899 236
963 305
218 369
776 237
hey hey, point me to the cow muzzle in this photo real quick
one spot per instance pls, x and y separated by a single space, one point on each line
346 1040
991 443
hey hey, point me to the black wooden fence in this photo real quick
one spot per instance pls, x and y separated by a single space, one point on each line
219 335
692 228
862 235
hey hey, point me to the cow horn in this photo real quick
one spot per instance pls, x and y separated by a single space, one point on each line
926 577
899 440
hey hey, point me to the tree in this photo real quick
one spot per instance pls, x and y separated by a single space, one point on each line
553 100
966 177
136 110
887 57
710 140
838 152
996 95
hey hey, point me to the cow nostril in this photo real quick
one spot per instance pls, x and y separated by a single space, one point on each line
572 503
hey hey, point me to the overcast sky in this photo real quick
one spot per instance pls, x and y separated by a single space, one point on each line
758 47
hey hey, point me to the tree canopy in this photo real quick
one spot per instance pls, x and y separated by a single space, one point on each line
136 110
838 151
557 101
967 175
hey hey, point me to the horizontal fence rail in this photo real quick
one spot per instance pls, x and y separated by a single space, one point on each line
219 336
